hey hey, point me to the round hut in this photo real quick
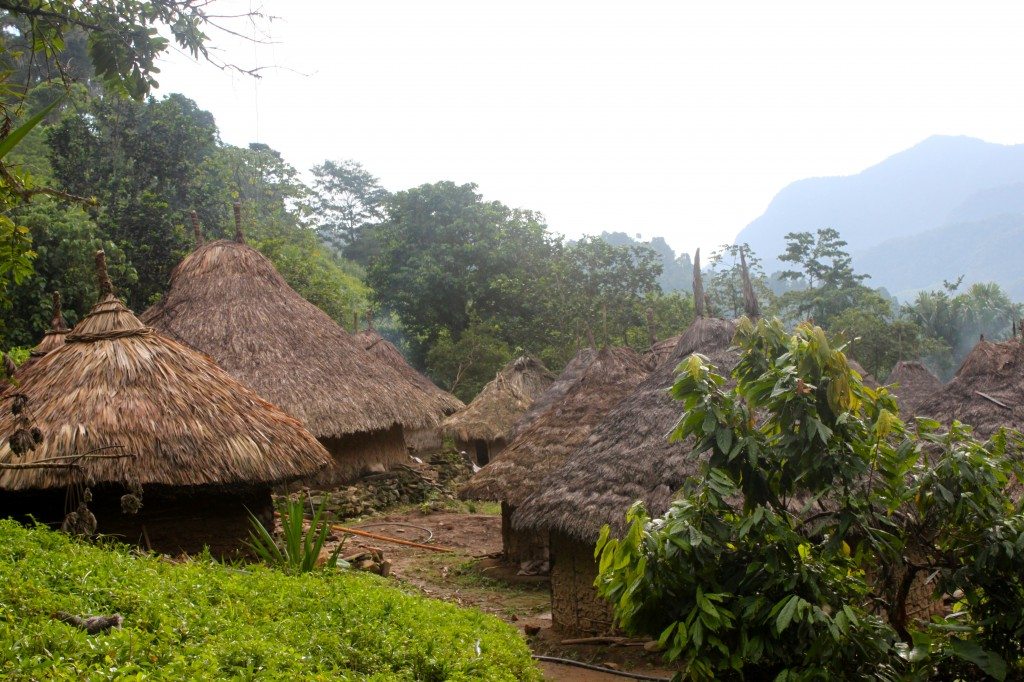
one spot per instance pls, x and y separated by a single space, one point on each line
987 391
227 300
626 457
912 384
660 350
482 428
591 385
426 439
53 338
134 408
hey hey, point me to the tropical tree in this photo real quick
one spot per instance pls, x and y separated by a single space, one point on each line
792 556
346 199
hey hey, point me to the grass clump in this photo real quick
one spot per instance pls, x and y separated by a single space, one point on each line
203 620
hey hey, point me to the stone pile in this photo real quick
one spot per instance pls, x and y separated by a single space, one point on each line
372 561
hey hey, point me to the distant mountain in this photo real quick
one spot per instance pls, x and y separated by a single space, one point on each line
946 207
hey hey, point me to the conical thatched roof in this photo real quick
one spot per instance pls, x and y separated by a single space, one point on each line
441 402
228 301
493 413
987 391
913 384
591 385
54 337
556 391
116 382
627 456
657 353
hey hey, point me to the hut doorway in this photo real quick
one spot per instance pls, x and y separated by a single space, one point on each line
481 453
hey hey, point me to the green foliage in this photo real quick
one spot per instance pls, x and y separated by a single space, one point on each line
793 555
724 283
347 199
464 365
202 620
824 267
299 548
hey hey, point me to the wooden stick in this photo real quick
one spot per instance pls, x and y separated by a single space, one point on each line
595 640
385 538
993 400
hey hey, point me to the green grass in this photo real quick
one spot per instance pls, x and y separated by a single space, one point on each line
203 620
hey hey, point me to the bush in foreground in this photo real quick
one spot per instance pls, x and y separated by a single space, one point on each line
202 620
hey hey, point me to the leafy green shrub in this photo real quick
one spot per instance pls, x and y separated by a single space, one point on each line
201 620
793 555
298 549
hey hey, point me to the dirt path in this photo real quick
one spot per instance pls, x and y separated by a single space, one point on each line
472 576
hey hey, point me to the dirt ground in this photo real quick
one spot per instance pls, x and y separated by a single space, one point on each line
471 575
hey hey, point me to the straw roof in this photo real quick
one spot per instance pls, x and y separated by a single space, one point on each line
557 391
592 384
987 391
656 354
500 404
913 384
441 402
627 456
227 300
116 382
53 338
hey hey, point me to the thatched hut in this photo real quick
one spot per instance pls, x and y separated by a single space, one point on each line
627 457
593 383
660 350
987 391
227 300
482 428
426 439
204 448
912 384
866 377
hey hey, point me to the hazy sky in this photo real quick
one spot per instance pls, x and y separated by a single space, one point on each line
680 119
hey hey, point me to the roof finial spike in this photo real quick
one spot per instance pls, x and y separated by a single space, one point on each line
106 286
652 331
698 286
197 229
57 322
239 235
750 306
369 319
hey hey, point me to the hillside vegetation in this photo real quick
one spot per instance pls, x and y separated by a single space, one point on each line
202 620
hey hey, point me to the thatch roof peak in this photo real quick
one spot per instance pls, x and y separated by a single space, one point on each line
562 418
197 229
987 391
698 286
913 384
500 404
627 456
116 383
239 234
227 300
53 337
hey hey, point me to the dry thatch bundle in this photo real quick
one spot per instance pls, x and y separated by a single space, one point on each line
228 301
116 382
987 391
913 384
441 402
593 383
53 338
627 456
492 414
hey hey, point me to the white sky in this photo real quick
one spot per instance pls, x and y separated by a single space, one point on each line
680 119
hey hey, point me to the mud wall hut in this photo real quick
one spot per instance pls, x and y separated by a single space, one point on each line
626 457
227 300
152 416
560 420
482 428
426 439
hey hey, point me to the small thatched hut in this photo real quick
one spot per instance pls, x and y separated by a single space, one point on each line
593 383
227 300
866 377
427 439
482 428
657 353
627 457
912 384
204 448
987 391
